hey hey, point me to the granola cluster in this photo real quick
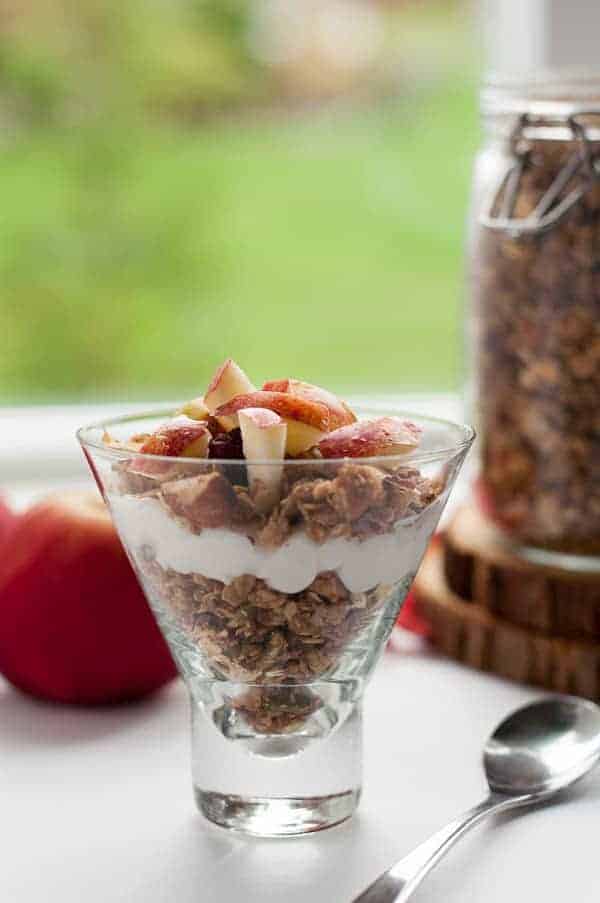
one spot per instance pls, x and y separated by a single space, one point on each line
359 500
537 329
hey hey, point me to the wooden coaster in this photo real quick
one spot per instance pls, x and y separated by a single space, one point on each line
470 634
480 567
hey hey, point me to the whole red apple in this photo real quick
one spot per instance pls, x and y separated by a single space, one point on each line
74 624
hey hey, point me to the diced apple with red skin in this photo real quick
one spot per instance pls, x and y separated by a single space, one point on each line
340 413
307 420
371 438
178 438
228 381
313 413
195 409
264 436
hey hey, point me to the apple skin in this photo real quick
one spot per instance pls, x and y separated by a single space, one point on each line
74 624
228 381
292 407
366 438
8 520
181 437
339 412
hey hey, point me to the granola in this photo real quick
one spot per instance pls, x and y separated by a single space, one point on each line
537 345
276 710
250 633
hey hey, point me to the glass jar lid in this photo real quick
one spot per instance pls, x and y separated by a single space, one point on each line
556 106
551 93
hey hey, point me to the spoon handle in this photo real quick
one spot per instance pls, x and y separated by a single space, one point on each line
397 883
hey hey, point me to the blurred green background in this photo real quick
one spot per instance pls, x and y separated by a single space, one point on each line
278 181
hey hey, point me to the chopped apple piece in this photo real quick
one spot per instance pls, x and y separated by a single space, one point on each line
340 413
370 438
301 437
307 420
195 409
264 437
132 445
294 407
228 382
180 438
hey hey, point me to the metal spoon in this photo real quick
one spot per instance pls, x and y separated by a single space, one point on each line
535 752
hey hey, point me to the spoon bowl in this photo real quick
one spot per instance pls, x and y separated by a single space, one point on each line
543 747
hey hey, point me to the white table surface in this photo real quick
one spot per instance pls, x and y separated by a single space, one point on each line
96 805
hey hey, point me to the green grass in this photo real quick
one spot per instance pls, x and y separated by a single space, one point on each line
328 248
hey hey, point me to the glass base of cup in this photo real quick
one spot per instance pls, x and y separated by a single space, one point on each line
276 816
275 785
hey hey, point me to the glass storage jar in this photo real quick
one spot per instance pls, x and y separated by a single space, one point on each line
534 286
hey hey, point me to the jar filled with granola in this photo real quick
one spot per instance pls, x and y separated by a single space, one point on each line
534 286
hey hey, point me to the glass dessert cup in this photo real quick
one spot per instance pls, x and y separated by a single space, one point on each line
276 621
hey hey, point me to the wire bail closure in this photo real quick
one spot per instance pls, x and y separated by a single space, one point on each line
552 206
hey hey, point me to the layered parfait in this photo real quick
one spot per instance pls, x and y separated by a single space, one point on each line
275 534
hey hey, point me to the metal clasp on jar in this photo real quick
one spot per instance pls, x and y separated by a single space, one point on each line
580 171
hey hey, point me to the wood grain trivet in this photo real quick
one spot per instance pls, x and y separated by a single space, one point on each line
480 567
470 634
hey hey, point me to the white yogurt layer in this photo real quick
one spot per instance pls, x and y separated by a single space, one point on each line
224 555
